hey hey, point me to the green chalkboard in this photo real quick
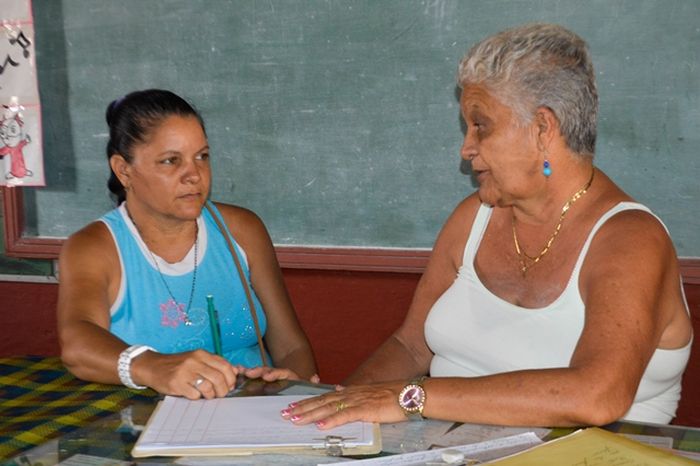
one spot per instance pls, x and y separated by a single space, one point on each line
338 121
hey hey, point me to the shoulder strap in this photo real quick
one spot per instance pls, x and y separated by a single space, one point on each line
246 288
481 221
617 208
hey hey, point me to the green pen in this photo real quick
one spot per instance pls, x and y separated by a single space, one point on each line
214 325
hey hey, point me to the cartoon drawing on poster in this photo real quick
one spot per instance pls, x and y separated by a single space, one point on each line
12 141
21 157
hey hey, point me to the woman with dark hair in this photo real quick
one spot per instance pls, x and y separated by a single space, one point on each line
135 286
551 298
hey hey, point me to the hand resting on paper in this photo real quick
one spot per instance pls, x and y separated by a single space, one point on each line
371 403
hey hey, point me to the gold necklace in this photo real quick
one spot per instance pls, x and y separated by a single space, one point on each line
527 261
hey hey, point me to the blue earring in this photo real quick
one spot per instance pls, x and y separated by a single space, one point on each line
546 170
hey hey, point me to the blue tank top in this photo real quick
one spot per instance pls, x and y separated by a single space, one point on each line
144 311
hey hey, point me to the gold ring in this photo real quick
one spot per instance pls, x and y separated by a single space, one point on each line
339 406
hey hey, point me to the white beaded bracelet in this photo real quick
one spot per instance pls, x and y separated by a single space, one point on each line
124 364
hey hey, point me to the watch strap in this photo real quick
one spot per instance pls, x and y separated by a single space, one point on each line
124 364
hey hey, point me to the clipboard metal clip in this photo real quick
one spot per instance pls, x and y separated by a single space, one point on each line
334 444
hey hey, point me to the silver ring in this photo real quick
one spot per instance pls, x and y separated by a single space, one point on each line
198 382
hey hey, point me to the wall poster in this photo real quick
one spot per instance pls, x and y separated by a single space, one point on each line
21 155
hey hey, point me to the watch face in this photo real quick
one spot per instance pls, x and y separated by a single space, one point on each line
412 398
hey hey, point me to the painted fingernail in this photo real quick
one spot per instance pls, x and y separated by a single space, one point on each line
293 404
295 418
320 423
286 412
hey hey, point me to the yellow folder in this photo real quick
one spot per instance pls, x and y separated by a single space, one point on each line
593 447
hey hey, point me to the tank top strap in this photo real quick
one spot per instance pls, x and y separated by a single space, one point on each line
481 221
616 209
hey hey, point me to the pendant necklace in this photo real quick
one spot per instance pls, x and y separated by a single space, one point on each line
527 261
186 316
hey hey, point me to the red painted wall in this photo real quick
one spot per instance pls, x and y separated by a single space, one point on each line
28 319
345 314
688 413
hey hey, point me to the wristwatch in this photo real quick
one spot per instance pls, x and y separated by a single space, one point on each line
124 365
412 399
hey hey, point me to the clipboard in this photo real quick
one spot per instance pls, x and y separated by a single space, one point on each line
243 426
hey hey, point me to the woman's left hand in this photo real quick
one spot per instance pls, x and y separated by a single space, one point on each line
270 374
370 403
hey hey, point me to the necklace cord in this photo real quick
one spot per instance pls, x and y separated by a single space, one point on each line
527 261
188 321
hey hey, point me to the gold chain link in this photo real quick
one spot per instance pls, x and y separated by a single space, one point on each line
526 261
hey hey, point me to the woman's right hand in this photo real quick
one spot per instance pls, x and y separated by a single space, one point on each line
193 374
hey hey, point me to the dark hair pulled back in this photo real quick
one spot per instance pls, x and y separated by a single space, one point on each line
132 118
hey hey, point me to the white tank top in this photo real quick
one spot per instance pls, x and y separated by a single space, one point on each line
473 332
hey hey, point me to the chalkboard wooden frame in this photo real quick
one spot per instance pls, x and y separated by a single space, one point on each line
17 244
291 257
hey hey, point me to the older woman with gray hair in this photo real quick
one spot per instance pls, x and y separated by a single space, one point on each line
551 297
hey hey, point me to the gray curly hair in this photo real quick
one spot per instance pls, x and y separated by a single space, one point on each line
539 65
